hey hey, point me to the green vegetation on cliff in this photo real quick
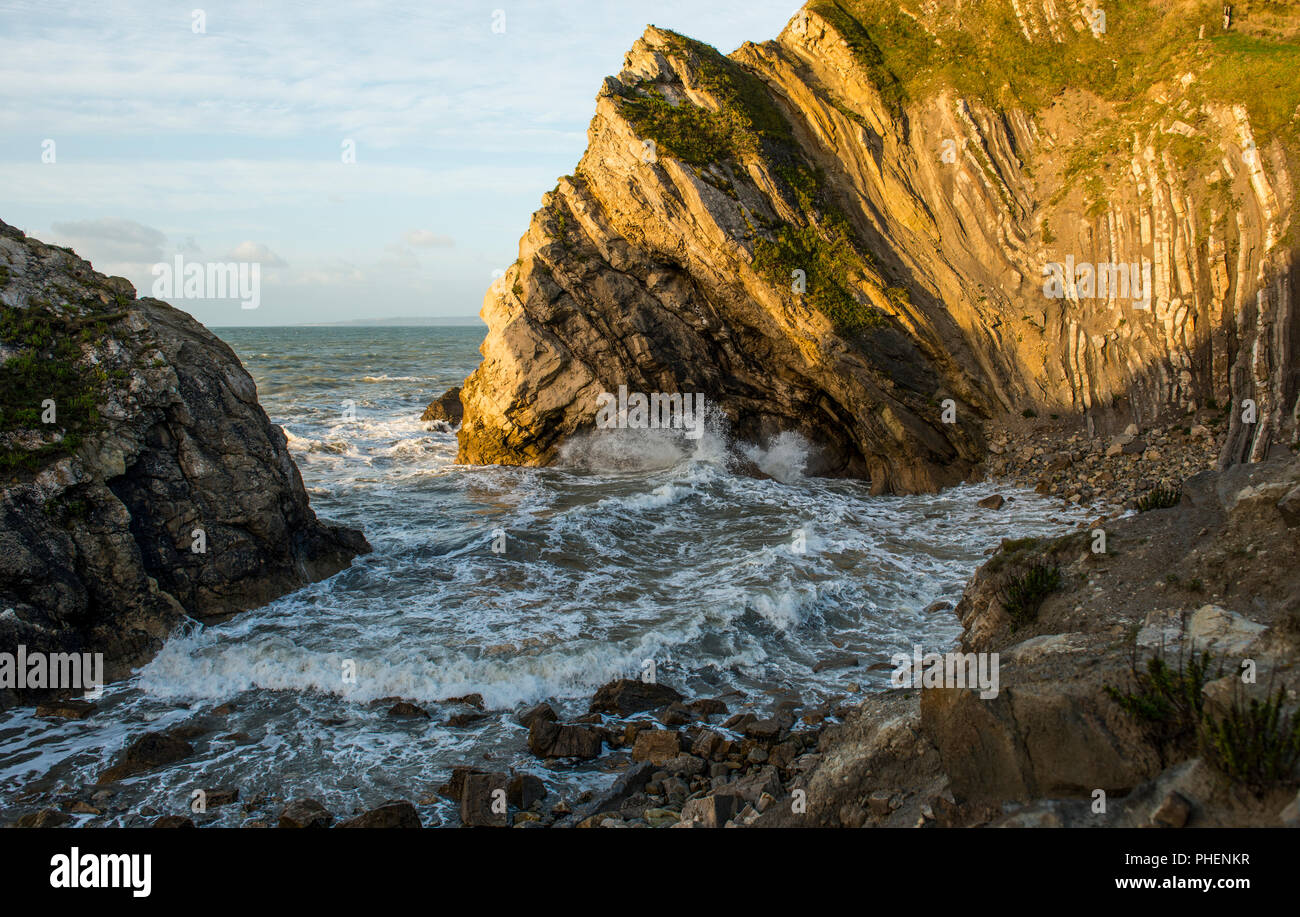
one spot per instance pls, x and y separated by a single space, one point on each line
44 361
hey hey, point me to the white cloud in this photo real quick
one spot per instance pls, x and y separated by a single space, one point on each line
112 239
424 238
255 251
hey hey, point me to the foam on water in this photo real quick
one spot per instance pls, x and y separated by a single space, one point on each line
639 545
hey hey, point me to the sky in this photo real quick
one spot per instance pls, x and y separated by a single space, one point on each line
218 132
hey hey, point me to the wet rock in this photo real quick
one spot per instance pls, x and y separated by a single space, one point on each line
460 720
446 407
524 790
222 796
407 709
45 818
153 749
397 814
173 821
305 813
67 709
548 739
675 714
632 782
657 745
626 696
837 661
484 801
993 502
704 707
542 711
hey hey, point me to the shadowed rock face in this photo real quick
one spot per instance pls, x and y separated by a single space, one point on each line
158 434
668 266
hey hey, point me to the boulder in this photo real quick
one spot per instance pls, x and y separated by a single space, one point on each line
542 711
172 821
657 745
709 811
993 502
446 407
485 802
548 739
398 814
305 813
524 790
153 749
627 696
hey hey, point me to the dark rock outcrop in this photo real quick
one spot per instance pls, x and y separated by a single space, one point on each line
627 696
446 407
160 489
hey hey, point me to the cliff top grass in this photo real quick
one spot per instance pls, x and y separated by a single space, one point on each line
980 51
746 120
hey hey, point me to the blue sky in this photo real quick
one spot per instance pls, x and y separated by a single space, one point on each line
227 144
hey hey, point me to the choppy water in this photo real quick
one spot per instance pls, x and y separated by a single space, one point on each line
641 547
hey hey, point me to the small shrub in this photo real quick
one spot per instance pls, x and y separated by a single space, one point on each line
1023 595
1028 412
1167 698
1253 743
1161 497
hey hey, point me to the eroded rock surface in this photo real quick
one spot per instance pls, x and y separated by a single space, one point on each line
160 489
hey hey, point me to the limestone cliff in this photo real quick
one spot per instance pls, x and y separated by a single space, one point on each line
142 481
838 231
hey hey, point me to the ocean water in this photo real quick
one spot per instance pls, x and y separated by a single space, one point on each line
517 584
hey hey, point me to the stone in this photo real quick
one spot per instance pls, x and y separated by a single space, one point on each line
685 766
1222 631
455 785
542 711
446 408
67 709
707 707
524 790
709 811
1173 812
45 818
173 821
675 714
711 746
837 661
993 502
548 739
398 814
626 696
407 709
658 746
485 801
878 803
305 813
151 750
1289 506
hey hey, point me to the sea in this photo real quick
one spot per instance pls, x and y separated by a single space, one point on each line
638 552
